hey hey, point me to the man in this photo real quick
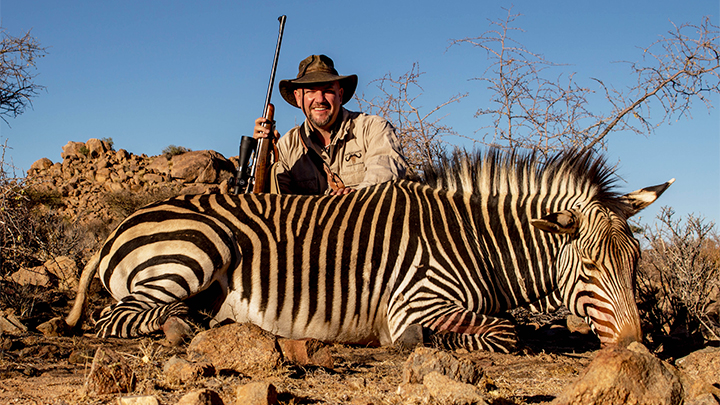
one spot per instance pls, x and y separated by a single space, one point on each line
334 151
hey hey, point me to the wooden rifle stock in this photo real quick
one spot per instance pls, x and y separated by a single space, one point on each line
265 147
260 174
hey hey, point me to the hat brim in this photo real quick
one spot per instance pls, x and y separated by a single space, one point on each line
347 83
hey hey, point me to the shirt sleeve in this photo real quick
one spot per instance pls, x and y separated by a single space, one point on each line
383 161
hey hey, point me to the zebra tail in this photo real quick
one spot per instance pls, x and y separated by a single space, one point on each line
74 317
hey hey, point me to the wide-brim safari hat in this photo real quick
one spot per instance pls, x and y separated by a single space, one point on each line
317 69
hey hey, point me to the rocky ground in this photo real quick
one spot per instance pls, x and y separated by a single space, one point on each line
38 369
219 365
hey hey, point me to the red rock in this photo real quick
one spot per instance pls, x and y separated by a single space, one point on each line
306 352
243 348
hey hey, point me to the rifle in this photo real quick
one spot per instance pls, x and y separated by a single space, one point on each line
257 178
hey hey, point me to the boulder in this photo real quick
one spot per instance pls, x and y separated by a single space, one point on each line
625 376
122 155
40 164
96 148
700 372
73 150
204 166
159 164
242 348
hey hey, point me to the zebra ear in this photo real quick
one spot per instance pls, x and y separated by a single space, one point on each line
564 222
637 200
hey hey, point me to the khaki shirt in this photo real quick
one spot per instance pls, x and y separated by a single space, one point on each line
363 152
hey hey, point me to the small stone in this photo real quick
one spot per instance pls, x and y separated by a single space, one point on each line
413 393
110 373
10 324
424 360
306 352
138 400
176 330
577 324
201 397
256 393
65 270
180 371
448 391
54 327
80 357
35 276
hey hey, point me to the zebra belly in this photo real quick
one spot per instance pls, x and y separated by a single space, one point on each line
354 329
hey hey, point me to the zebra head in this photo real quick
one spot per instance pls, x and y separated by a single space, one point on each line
597 263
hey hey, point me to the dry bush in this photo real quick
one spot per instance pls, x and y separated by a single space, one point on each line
32 231
123 203
172 150
679 280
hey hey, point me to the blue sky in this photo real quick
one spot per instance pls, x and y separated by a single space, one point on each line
149 74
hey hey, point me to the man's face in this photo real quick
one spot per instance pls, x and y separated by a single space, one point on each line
321 103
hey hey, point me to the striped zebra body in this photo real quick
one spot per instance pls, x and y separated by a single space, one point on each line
483 236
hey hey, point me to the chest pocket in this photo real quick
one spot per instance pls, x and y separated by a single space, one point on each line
352 167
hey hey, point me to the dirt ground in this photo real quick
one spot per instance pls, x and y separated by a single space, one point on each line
35 369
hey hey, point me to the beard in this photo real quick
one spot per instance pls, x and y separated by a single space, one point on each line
320 123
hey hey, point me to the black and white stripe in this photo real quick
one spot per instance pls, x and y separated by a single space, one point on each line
485 234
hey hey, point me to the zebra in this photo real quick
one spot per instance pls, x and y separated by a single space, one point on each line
482 234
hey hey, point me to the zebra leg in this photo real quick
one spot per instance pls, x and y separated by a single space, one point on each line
471 331
131 317
454 327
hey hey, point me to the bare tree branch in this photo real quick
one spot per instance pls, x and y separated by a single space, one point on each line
527 110
676 70
420 135
533 111
17 63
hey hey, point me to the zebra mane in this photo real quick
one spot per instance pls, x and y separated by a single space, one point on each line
498 172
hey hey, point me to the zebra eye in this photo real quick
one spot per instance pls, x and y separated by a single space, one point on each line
589 265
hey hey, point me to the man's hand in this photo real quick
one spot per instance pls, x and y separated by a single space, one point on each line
261 131
342 191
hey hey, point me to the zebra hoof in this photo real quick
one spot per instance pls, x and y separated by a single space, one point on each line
176 330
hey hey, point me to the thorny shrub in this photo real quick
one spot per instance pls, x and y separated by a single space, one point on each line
172 150
678 281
